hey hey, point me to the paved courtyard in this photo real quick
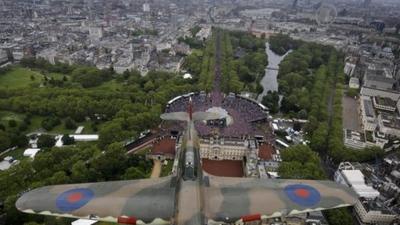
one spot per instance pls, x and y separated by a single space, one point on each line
351 118
223 168
156 169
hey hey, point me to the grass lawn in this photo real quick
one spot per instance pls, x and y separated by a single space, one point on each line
36 122
16 154
104 223
5 116
166 169
20 77
60 129
56 76
143 151
111 85
88 127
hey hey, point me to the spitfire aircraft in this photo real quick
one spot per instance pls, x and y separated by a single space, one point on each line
190 197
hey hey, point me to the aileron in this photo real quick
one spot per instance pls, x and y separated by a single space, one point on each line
271 197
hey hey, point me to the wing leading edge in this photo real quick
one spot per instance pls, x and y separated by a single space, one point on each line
197 116
231 199
104 201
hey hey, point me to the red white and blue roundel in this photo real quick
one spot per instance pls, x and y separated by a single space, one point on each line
302 194
74 199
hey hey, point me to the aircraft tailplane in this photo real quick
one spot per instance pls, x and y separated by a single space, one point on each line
184 116
179 116
206 116
190 116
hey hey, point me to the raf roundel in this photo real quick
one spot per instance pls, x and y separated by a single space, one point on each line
74 199
302 194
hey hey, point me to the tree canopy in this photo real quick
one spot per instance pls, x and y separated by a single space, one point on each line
117 114
282 43
242 60
311 81
300 162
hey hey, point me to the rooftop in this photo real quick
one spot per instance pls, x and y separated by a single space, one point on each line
354 80
377 205
390 120
379 76
385 101
164 146
369 110
355 179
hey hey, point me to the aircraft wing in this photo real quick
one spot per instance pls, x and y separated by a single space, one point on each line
184 116
206 116
231 199
181 116
147 200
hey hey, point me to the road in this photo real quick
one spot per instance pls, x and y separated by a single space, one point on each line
156 171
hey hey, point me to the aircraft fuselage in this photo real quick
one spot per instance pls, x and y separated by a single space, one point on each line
189 208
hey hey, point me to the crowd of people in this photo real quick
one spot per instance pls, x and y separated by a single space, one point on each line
244 112
200 101
248 109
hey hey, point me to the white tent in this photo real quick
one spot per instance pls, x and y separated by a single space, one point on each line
4 165
31 152
59 142
355 179
79 130
85 137
83 222
187 76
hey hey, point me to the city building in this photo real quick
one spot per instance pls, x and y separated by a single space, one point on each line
368 114
369 212
354 82
375 186
146 7
225 149
349 69
386 104
96 33
3 57
354 178
389 124
367 91
380 79
204 33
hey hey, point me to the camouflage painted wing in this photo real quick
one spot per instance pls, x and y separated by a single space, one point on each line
231 199
197 116
206 116
180 116
147 200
